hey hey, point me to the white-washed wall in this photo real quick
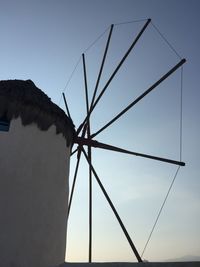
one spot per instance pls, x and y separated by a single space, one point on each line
34 168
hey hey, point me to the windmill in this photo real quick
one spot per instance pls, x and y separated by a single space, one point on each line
35 138
86 140
34 182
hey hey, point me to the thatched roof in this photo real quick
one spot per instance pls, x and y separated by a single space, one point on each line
23 99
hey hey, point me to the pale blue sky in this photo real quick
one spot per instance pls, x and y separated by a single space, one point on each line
43 41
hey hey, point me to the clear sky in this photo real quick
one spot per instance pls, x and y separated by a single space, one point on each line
43 41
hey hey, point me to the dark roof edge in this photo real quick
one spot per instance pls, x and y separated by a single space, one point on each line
23 99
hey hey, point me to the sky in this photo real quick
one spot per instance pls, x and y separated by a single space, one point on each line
43 41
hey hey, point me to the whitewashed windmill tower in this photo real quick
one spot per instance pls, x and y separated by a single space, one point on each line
35 143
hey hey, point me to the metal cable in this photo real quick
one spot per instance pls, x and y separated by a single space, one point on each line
96 40
69 79
92 44
165 39
128 22
180 155
181 114
159 213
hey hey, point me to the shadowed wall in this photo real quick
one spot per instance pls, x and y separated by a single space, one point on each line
34 167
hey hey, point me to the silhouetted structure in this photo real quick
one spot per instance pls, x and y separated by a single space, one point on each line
35 140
